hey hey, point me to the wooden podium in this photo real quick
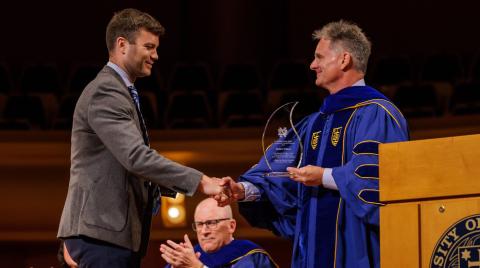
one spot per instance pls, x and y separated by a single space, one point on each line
431 192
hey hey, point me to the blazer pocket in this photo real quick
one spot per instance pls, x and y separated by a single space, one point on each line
106 207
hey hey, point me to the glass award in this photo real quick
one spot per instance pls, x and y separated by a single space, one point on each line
281 143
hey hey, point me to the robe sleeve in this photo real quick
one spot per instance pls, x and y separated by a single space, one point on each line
277 207
357 180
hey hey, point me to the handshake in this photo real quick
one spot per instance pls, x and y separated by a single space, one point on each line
224 190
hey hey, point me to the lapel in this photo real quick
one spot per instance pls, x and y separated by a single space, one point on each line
106 69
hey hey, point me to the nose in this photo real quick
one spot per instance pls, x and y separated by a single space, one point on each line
313 65
204 232
155 55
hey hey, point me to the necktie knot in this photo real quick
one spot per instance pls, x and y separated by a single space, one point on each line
136 99
134 94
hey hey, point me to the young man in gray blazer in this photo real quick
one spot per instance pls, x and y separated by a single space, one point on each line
115 175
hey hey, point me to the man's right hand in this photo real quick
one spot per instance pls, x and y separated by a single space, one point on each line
210 186
234 191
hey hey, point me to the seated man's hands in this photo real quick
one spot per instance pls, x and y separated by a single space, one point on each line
181 255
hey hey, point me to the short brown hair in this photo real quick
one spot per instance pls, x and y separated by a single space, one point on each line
126 23
350 37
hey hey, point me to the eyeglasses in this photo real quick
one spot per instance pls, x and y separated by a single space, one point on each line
210 224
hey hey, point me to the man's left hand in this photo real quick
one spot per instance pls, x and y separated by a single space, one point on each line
308 175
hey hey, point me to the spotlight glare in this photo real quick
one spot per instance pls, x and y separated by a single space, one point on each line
173 212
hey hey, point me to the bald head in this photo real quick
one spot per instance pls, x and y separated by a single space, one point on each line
209 206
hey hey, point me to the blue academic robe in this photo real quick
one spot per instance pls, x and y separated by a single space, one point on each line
331 228
236 254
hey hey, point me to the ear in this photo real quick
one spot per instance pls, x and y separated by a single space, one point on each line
346 60
121 44
232 226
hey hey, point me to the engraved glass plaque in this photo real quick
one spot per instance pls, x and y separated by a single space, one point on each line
287 149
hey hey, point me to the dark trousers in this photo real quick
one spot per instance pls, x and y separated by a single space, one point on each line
92 253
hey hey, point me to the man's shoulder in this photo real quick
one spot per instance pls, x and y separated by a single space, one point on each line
380 106
108 82
245 243
380 113
249 247
257 256
107 77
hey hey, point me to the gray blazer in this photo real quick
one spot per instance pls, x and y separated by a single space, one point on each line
110 162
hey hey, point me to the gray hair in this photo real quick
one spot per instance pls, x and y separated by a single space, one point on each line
351 38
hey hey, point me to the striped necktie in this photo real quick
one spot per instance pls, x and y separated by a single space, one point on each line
154 190
136 100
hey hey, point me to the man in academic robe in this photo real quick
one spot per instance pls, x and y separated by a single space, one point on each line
329 206
215 226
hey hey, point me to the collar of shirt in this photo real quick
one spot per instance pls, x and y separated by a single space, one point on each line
120 72
360 82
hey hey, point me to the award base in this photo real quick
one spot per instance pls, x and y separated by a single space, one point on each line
277 174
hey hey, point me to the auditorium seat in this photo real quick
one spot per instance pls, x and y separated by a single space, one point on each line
308 101
474 72
240 101
154 82
188 110
466 99
148 104
24 110
42 80
190 77
390 72
442 66
6 80
287 76
80 75
442 70
64 115
241 109
417 101
5 86
153 93
191 97
239 76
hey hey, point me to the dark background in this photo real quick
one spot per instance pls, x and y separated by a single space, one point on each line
217 32
229 31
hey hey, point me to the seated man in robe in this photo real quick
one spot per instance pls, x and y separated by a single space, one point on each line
217 248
